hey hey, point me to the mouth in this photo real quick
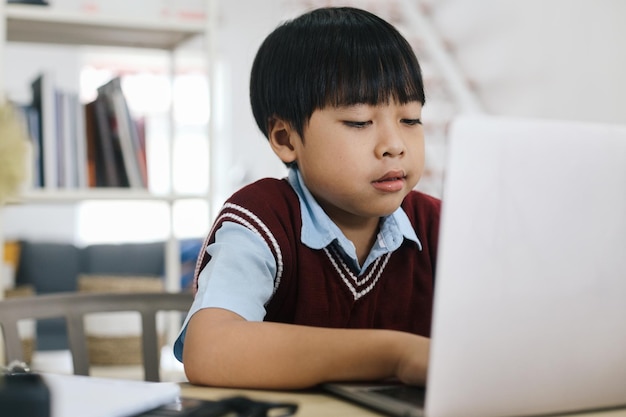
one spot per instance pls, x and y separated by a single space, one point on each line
392 181
394 175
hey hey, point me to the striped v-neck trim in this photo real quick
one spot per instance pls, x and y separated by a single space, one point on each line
358 285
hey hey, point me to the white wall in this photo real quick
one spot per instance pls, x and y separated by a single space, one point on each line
562 59
25 61
244 154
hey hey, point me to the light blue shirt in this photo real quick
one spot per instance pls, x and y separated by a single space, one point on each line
240 275
319 231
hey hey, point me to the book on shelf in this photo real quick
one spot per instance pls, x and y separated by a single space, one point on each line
60 135
70 141
125 134
43 101
80 133
96 175
112 172
97 144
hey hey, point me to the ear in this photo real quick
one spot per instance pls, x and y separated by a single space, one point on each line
281 136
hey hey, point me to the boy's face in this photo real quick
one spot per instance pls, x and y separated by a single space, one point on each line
360 161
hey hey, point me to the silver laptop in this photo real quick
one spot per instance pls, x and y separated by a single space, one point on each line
530 298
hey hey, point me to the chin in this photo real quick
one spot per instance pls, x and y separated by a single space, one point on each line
386 209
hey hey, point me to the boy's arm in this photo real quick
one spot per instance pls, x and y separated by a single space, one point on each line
223 349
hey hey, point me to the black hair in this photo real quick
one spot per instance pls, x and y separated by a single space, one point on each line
331 57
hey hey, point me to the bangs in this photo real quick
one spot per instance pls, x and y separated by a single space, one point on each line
369 73
331 57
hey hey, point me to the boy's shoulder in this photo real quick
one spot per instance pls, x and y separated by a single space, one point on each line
264 189
417 201
267 198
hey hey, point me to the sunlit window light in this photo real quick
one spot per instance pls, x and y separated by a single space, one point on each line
191 169
191 98
122 221
191 218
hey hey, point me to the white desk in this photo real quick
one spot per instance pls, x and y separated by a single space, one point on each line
316 404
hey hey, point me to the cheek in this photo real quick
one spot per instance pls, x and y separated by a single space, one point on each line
418 158
417 149
421 155
333 153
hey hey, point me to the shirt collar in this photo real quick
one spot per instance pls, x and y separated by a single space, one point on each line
319 231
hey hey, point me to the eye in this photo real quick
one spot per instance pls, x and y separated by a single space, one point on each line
411 122
358 125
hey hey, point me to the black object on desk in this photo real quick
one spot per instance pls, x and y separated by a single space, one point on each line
22 393
231 407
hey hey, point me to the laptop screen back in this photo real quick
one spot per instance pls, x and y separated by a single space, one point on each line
530 299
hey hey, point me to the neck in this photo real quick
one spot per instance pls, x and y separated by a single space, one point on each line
362 235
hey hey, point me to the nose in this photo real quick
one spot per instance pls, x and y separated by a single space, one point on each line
390 143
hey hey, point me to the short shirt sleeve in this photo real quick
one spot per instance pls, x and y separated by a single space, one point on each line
239 277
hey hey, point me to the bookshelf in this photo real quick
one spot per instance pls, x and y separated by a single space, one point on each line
103 193
39 24
50 25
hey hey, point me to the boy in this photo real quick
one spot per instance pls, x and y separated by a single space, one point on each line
327 274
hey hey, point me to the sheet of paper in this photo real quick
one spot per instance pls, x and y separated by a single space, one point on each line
84 396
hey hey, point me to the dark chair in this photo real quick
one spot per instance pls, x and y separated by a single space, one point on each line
74 306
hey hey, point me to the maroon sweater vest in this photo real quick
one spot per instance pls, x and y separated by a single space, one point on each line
316 287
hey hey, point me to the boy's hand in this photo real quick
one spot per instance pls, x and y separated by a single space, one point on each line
413 363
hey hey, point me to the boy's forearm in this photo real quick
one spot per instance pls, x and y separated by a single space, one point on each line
274 355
